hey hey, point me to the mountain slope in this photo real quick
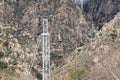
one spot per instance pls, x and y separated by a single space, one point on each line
74 40
107 52
98 59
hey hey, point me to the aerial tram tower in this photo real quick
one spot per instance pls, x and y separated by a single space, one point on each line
45 42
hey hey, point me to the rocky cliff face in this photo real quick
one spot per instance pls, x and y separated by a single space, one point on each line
98 60
107 52
102 11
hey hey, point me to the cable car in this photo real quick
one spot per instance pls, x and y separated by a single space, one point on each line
59 38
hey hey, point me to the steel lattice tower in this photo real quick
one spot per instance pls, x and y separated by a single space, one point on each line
81 1
45 50
45 37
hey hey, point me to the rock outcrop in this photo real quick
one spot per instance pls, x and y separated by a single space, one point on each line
102 11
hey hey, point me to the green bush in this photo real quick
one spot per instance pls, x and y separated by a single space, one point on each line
1 54
86 67
23 40
53 56
113 36
5 43
77 74
37 73
2 65
8 53
14 62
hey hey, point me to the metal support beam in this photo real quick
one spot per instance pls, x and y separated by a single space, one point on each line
45 51
81 3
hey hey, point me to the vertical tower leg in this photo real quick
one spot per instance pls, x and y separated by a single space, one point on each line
81 1
46 51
